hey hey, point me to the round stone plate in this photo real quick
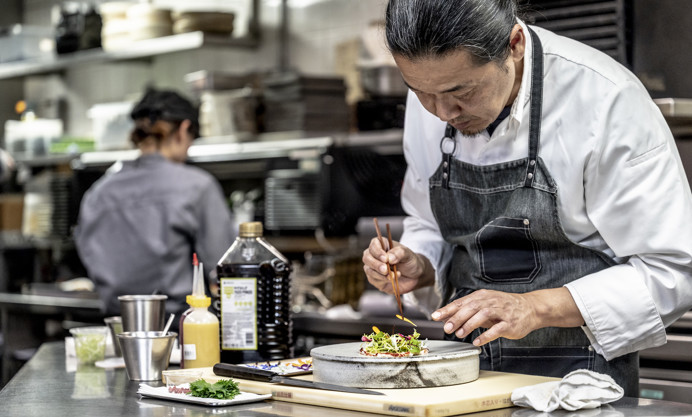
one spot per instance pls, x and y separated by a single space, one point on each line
447 363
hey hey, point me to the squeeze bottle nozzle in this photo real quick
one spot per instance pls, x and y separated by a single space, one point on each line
198 298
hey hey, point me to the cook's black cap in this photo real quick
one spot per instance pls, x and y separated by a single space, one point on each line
166 105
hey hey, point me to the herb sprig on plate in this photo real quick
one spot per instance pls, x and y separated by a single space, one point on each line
224 389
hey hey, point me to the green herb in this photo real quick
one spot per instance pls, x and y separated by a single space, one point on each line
224 389
382 342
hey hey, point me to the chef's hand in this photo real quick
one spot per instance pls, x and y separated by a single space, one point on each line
414 270
508 315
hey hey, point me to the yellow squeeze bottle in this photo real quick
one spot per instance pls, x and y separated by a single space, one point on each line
200 327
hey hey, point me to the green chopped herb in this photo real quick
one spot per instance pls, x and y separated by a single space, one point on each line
224 389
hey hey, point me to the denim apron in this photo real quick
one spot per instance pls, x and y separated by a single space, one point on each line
503 223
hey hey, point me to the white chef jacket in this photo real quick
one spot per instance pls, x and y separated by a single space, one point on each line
621 189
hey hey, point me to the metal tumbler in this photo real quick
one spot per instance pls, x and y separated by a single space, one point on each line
141 313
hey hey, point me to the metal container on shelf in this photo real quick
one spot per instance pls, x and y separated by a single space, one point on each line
383 81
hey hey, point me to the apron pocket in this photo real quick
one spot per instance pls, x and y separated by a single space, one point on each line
555 361
508 254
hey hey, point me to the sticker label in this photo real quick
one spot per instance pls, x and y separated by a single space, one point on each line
190 352
238 313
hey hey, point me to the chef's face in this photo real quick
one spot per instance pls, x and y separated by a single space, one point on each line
459 91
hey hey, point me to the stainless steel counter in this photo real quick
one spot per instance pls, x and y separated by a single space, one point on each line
44 387
24 318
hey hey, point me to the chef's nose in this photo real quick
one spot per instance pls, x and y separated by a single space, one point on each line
447 109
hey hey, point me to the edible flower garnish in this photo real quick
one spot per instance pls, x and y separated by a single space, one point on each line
400 317
395 345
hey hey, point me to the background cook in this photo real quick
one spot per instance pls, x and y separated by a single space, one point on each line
139 226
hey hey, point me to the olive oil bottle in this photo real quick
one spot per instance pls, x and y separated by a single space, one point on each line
254 295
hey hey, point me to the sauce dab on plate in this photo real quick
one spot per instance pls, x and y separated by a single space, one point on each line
400 317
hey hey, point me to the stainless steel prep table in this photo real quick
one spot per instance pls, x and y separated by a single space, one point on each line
22 318
43 387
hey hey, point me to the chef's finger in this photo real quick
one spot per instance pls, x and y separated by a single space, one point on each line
374 262
377 250
378 280
474 319
398 253
447 311
496 331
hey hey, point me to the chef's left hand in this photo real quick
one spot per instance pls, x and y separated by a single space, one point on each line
508 315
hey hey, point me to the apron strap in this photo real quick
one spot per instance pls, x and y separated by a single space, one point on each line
536 107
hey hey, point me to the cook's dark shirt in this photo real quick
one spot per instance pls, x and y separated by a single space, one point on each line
138 228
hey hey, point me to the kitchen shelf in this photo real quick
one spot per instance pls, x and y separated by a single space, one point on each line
221 152
137 50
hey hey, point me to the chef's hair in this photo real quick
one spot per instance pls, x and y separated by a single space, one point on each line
159 113
434 28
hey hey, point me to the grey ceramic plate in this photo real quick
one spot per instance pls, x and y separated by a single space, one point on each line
447 363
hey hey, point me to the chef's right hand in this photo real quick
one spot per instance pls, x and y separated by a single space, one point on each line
413 270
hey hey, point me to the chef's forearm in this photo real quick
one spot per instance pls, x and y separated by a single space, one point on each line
555 308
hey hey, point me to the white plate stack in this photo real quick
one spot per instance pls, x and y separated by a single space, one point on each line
126 22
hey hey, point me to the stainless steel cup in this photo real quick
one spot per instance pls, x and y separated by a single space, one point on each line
115 325
146 354
142 313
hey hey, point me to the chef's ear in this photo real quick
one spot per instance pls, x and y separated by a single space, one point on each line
517 42
184 128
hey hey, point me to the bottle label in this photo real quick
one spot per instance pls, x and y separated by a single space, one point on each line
189 352
238 313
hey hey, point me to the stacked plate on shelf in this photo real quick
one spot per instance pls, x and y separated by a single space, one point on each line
125 22
208 22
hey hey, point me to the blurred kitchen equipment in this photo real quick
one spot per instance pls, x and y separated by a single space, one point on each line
18 42
115 326
114 31
143 312
205 80
69 27
146 354
384 104
31 138
146 21
205 21
125 22
293 200
91 34
229 113
383 80
230 104
379 73
295 102
11 208
111 125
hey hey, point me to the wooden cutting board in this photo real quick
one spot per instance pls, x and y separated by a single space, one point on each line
492 390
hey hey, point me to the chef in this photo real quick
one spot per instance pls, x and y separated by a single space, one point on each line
140 224
548 209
